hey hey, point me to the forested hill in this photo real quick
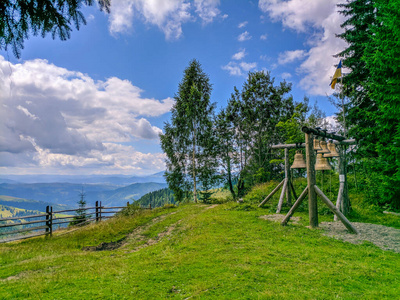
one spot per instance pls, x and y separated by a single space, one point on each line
157 198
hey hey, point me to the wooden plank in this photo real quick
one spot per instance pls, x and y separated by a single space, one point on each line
67 210
284 190
288 146
24 217
337 212
322 133
21 224
294 207
272 193
312 197
22 230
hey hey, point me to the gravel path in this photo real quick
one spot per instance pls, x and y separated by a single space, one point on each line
386 238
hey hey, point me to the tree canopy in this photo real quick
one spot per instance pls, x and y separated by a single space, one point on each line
372 86
189 140
19 18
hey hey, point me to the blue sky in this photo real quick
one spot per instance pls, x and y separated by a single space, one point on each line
95 104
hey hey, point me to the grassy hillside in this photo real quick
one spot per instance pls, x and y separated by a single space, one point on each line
8 211
26 204
197 252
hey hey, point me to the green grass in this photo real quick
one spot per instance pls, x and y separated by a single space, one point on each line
221 253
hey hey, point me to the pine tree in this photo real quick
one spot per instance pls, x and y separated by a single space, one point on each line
81 216
360 18
382 59
189 140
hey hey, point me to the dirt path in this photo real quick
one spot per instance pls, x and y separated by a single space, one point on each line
135 236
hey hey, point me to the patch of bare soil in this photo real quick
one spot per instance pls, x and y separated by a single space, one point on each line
134 234
386 238
105 246
155 240
279 218
212 206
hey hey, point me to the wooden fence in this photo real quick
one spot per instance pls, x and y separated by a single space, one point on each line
43 224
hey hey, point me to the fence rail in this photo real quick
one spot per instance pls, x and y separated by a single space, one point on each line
97 215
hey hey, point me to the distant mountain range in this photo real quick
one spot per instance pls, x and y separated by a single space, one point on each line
119 180
35 192
68 193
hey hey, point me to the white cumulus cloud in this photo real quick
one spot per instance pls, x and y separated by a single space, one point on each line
243 24
239 69
245 36
290 56
51 116
320 21
239 55
167 15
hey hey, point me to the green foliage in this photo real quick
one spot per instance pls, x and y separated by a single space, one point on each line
189 140
80 214
303 115
21 17
131 210
157 198
246 130
372 32
259 192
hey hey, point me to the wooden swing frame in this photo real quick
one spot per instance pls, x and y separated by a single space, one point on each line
312 190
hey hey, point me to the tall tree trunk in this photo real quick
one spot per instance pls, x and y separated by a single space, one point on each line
230 178
194 165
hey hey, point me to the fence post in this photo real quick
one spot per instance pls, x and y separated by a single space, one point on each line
51 220
100 211
47 220
97 211
127 204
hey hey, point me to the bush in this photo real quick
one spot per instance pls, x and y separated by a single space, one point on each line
259 192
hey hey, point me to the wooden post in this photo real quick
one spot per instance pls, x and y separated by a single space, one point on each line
343 202
100 207
284 189
47 220
293 191
272 193
97 211
288 177
312 197
337 212
294 207
51 220
127 204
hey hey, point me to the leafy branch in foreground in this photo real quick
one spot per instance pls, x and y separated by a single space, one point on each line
20 17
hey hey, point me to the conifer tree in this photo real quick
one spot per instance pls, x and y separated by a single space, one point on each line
189 140
360 17
81 216
372 86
